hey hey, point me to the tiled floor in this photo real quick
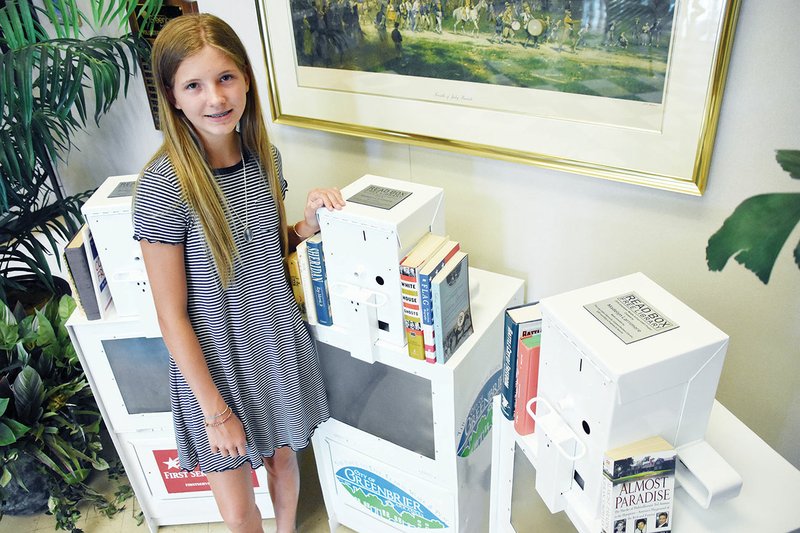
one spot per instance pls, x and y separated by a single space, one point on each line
311 515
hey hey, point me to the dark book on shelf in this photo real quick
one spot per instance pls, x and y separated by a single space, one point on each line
319 280
78 266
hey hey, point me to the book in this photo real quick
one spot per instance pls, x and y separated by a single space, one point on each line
305 282
409 286
426 272
319 281
527 382
101 289
452 313
638 486
78 266
519 322
296 282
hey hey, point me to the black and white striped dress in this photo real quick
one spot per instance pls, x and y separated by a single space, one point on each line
257 347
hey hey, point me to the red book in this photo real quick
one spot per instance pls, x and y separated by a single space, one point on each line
527 382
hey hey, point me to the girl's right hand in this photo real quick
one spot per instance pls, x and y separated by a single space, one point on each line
228 439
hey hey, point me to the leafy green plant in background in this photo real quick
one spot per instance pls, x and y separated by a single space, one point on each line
758 228
50 76
48 415
46 70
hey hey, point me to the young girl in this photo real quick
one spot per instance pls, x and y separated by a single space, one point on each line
245 383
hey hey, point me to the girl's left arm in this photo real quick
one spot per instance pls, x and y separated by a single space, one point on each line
308 226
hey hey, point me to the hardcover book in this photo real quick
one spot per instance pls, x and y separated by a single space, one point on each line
520 321
296 282
409 286
78 266
305 281
426 273
638 487
452 314
527 382
319 281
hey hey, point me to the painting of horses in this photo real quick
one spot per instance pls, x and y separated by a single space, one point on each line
617 49
627 90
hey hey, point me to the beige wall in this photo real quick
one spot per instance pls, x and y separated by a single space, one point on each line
560 231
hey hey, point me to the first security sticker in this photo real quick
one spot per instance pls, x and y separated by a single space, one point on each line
630 317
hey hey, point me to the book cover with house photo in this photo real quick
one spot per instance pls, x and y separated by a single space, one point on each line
638 487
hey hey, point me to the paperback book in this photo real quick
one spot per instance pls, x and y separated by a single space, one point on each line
452 313
638 487
520 322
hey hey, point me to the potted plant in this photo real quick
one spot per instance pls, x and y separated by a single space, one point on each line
49 421
50 73
46 70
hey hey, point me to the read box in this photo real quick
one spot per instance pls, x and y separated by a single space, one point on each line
622 361
363 244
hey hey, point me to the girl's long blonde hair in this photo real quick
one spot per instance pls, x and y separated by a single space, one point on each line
180 38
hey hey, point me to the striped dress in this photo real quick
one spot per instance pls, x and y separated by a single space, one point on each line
255 343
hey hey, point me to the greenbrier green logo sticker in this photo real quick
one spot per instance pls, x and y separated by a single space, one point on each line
386 499
479 419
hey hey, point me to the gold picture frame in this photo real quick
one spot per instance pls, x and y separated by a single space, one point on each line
651 123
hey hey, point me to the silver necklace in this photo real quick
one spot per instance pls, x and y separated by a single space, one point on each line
247 233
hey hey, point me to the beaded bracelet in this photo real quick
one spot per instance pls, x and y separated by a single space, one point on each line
219 422
214 417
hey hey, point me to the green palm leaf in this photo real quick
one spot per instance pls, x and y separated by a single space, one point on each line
44 81
759 227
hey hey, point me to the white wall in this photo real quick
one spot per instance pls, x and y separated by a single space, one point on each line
561 231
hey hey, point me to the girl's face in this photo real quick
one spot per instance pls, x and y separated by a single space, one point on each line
212 92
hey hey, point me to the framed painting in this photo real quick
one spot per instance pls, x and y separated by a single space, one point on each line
627 90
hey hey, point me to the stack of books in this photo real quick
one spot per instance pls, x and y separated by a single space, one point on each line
434 279
520 373
437 316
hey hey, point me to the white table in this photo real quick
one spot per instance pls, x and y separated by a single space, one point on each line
769 501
